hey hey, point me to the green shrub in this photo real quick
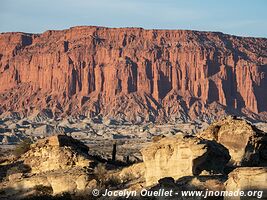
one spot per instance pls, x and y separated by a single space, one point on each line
104 179
2 192
112 181
20 168
13 170
128 177
100 172
22 147
44 190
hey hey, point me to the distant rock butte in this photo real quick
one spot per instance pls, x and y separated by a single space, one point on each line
133 73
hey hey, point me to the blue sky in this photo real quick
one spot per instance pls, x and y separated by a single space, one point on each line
238 17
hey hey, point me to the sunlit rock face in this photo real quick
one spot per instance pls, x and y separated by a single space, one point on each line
133 73
247 144
248 179
57 152
58 163
181 156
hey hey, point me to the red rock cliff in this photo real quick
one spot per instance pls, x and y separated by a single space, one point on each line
133 73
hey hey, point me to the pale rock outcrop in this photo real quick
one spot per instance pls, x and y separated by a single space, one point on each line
55 153
71 181
248 179
181 156
247 145
15 176
58 162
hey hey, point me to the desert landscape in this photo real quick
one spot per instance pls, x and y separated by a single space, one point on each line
90 111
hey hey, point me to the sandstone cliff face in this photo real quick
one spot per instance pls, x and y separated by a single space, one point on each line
133 73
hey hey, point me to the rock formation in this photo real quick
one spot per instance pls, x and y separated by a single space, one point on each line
248 179
247 145
72 181
56 153
133 74
181 156
58 163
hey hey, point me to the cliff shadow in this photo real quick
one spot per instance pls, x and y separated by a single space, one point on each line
165 85
260 90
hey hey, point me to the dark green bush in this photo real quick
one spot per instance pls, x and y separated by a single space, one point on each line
20 168
100 172
44 190
22 147
104 179
112 181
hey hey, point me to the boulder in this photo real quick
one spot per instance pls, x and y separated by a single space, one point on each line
248 179
60 181
15 176
247 144
72 181
56 152
180 156
57 163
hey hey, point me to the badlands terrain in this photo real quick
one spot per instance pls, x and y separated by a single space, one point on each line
99 134
69 158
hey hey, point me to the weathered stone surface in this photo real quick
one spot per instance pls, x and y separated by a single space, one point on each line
133 73
58 162
248 179
247 145
56 152
70 181
12 177
190 183
181 156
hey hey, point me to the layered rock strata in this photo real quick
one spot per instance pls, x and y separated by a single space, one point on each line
133 73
